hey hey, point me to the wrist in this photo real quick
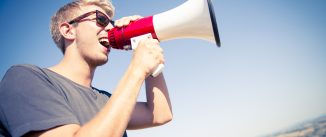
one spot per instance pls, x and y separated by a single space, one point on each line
136 71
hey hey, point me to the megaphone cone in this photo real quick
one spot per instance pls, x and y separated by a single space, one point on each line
192 19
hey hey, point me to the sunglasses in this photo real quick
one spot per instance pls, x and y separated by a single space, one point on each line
101 18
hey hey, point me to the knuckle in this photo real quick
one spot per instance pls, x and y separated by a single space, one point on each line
143 42
124 18
117 22
155 41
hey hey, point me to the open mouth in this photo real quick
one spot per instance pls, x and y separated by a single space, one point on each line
104 42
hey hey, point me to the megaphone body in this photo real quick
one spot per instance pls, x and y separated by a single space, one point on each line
192 19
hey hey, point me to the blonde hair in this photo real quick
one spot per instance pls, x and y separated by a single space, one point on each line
67 13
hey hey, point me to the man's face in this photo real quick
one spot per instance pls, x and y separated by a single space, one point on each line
90 35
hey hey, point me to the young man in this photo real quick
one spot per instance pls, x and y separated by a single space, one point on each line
61 101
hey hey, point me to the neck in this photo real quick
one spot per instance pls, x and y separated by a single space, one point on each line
75 69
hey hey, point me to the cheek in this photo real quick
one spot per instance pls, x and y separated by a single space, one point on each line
87 37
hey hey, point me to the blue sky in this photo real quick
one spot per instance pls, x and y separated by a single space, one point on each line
269 74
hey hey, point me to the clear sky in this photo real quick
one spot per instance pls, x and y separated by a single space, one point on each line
270 72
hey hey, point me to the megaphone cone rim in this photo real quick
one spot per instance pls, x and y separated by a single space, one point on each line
214 24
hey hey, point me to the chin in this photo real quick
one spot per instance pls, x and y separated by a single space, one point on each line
101 62
98 61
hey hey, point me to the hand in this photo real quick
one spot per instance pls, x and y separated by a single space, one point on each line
147 56
126 20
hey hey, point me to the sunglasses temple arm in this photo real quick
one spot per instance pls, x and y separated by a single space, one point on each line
112 22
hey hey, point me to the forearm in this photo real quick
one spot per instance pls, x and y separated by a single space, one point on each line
112 120
158 100
156 110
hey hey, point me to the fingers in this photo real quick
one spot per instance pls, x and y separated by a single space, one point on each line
159 52
126 20
148 55
153 47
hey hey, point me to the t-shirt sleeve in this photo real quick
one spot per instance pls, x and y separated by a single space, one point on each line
29 102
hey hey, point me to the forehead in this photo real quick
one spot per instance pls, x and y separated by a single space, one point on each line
89 8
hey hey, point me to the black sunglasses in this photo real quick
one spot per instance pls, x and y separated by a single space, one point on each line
101 18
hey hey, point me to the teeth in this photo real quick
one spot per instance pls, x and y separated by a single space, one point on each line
104 42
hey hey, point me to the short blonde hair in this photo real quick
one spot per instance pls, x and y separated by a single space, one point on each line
67 13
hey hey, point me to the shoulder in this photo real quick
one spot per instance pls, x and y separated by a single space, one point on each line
23 77
22 72
20 69
30 102
25 67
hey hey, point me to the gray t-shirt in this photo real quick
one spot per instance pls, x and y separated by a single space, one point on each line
35 99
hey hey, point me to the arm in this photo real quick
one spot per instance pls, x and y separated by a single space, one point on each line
157 110
112 120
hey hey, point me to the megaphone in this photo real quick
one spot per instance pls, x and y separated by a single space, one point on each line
192 19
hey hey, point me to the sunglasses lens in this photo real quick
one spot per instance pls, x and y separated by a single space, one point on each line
102 19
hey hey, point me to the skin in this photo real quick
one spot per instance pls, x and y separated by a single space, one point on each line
84 54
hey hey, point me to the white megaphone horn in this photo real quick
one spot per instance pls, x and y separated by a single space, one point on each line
192 19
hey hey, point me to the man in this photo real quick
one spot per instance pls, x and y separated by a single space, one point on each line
61 101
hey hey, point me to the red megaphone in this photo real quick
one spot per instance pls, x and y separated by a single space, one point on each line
192 19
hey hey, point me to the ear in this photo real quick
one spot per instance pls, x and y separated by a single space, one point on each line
67 31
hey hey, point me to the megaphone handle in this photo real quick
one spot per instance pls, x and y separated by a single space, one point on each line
134 44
